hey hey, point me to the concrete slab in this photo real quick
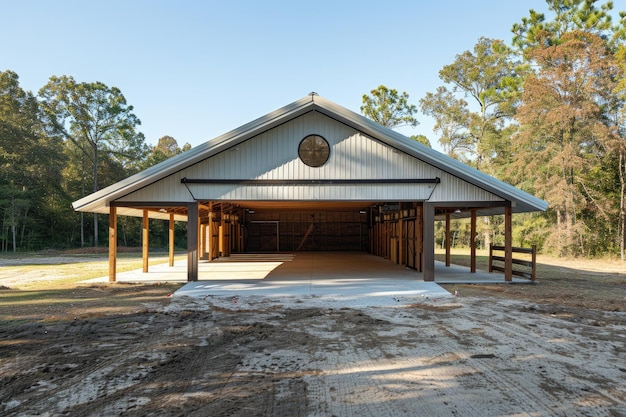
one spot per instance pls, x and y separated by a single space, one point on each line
337 292
348 277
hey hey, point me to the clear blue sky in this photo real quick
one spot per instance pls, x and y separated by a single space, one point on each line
196 69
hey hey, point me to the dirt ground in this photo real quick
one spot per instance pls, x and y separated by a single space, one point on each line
553 349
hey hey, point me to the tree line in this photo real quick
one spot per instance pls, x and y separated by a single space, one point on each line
71 139
544 111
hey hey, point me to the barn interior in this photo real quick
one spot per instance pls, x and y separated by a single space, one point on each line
387 229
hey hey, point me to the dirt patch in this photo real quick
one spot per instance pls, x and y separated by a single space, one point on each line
495 350
149 354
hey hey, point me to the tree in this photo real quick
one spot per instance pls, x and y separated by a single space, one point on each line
389 108
565 131
30 163
569 15
165 148
452 122
421 139
620 149
601 200
97 120
476 131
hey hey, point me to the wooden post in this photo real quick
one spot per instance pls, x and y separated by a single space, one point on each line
473 242
508 243
215 237
419 237
144 240
429 242
447 239
211 232
171 239
226 235
533 272
200 245
203 245
112 243
192 241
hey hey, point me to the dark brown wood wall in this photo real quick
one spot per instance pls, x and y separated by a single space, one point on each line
307 231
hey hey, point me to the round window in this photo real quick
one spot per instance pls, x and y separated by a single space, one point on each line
314 150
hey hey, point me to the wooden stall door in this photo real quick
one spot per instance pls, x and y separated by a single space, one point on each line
410 244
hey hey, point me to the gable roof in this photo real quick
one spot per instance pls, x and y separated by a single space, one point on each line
100 200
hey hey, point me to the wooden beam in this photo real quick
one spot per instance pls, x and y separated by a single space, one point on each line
473 242
508 244
226 238
447 239
171 239
144 240
429 242
192 241
401 241
112 243
211 232
215 237
201 238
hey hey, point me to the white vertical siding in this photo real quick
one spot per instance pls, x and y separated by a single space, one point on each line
273 155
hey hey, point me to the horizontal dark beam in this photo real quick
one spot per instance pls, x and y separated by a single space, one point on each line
149 204
310 182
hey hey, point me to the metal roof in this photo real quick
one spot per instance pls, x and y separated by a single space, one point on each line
100 200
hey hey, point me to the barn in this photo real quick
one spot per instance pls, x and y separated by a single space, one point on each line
310 176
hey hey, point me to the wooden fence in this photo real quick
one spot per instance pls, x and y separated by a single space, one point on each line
531 266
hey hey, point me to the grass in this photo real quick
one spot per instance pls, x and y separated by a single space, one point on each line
67 274
52 290
19 306
578 283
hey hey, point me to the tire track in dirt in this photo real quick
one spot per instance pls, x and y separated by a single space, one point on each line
548 383
62 369
259 359
514 386
388 378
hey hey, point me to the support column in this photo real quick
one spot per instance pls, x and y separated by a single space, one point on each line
473 242
203 245
429 242
211 248
447 239
214 231
112 243
508 243
401 240
171 239
200 234
144 240
192 241
226 235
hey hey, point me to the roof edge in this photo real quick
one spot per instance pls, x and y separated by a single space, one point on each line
430 156
194 155
288 112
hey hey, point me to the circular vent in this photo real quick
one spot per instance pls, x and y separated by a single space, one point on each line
314 150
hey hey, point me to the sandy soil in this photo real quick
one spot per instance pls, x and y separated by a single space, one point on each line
465 356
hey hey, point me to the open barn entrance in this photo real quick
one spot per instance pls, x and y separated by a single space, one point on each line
392 231
291 231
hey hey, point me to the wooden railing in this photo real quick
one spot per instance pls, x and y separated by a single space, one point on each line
529 273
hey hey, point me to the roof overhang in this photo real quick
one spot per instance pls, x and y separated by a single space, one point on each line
100 201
